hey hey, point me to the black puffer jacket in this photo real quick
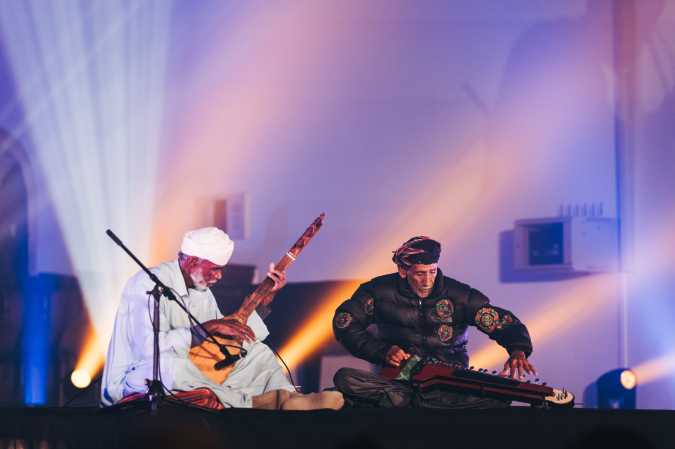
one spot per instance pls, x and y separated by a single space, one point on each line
435 326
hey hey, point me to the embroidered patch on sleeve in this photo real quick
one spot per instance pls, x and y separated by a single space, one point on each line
487 319
369 306
444 333
343 320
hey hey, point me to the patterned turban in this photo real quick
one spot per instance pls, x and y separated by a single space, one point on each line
420 249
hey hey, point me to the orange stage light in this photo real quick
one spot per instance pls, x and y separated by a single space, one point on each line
656 369
317 330
92 355
80 378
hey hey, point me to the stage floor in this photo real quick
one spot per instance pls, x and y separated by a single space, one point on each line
175 426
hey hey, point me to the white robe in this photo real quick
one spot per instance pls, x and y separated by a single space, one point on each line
129 360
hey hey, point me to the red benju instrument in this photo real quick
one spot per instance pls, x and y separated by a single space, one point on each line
479 383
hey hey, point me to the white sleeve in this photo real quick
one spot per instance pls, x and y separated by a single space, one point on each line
140 308
258 326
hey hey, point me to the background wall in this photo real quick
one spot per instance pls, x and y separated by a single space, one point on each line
652 265
451 119
448 120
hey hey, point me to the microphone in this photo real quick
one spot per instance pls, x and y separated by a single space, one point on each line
227 361
229 358
114 237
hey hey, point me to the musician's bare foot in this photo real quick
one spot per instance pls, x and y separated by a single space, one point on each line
272 400
285 400
314 401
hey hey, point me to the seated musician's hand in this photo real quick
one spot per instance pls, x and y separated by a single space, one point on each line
395 356
230 327
518 365
278 277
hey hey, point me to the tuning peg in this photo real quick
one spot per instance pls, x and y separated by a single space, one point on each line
528 381
494 371
536 380
543 384
471 368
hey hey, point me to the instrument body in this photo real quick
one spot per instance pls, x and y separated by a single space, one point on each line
206 355
479 383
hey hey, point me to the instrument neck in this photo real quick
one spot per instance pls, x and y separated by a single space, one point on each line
262 292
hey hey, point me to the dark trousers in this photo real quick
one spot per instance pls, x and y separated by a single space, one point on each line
364 389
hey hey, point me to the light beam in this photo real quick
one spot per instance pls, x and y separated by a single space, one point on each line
90 79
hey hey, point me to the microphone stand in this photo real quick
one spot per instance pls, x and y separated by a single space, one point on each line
155 390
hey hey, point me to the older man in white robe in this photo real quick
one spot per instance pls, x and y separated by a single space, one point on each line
256 381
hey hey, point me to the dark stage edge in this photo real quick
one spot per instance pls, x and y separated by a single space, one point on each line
176 426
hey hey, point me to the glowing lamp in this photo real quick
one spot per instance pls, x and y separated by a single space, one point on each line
617 389
628 379
80 378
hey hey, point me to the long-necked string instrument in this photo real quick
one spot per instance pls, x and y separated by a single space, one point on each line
208 356
426 376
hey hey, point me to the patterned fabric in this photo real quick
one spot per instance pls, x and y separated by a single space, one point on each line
486 319
202 397
489 320
444 309
343 320
420 249
444 333
439 311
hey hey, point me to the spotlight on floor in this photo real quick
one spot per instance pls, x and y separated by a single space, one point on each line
617 389
80 378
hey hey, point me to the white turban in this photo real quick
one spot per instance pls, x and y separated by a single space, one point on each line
209 243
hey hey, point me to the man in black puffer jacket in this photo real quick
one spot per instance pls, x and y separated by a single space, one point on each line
418 311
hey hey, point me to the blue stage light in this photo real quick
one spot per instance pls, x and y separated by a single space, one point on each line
617 389
90 82
35 340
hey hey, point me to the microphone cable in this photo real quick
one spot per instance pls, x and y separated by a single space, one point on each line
290 374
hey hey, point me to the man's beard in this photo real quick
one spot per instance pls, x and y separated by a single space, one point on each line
198 281
423 293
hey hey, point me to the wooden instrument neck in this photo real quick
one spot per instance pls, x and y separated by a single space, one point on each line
252 301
